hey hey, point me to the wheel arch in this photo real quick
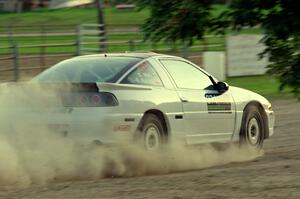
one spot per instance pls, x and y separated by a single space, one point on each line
161 116
263 113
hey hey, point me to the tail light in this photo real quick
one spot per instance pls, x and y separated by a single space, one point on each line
90 99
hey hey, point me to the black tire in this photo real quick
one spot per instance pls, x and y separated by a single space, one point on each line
151 132
252 129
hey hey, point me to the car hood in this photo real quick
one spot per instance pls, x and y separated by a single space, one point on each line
241 95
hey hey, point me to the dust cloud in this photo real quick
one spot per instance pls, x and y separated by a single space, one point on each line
32 153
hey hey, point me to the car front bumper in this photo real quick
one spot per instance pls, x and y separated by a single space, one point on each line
271 122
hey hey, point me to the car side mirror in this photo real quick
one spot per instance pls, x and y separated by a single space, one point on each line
222 87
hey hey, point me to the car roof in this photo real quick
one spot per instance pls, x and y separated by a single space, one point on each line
142 55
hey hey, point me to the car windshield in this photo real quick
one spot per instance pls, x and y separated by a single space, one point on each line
84 70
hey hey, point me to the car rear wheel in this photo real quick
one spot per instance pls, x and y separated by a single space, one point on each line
152 132
252 129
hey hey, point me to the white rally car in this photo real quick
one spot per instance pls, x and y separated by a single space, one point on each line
158 99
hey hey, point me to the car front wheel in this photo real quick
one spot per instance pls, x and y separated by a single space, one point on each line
252 129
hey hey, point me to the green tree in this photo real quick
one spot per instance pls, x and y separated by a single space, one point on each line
186 20
177 19
281 24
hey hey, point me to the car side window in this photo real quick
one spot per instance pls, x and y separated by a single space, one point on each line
185 75
143 74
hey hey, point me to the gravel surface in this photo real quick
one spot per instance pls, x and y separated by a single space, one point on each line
276 174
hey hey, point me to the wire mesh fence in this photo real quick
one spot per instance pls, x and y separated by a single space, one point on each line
25 53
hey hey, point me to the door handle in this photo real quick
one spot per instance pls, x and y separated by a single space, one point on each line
184 99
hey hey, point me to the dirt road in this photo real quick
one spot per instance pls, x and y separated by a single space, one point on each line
274 175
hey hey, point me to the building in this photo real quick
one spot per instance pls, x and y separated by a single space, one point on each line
26 5
22 5
54 4
10 5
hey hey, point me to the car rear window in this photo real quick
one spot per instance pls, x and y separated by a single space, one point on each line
84 70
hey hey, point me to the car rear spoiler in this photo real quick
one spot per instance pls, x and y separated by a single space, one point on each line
115 86
82 87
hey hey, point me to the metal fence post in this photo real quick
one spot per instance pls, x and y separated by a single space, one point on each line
184 50
15 52
43 48
205 45
173 44
10 33
42 57
102 27
78 41
153 45
131 45
226 56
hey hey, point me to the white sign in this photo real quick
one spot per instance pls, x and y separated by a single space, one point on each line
214 64
242 55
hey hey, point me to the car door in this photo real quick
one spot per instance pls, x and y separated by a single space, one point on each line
162 95
208 115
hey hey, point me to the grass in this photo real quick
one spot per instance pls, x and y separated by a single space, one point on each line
113 17
69 18
75 16
137 37
263 85
72 16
